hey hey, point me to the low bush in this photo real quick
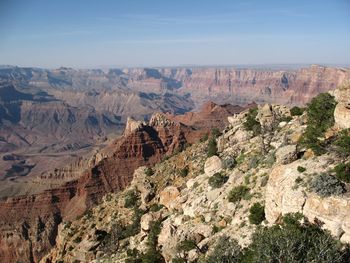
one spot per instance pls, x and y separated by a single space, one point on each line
131 199
342 143
342 172
217 180
155 207
296 111
320 117
301 169
204 138
238 193
229 163
256 214
251 124
184 171
215 133
292 241
149 171
133 228
226 250
212 147
326 185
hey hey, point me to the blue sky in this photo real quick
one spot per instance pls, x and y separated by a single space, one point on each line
87 33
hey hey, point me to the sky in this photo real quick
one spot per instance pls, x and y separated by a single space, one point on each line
128 33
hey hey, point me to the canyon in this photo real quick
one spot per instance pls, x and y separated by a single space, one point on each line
68 137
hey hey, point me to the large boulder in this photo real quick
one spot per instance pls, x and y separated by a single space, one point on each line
212 165
284 196
168 197
286 154
342 110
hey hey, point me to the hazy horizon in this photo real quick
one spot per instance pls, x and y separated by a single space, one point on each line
136 33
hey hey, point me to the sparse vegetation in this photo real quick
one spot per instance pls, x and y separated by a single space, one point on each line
212 147
251 124
326 185
320 115
256 214
238 193
292 241
297 111
229 163
342 143
226 250
215 133
184 171
204 138
149 171
155 207
301 169
133 228
217 180
131 199
342 172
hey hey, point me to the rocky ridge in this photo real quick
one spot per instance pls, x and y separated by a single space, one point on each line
180 195
83 184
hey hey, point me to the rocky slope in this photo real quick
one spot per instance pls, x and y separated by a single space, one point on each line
29 221
187 202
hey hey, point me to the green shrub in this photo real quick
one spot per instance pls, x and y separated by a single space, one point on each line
251 124
226 250
240 159
229 163
238 193
133 228
212 147
131 199
296 111
155 207
256 214
217 180
286 118
186 245
149 171
154 231
342 172
184 171
204 138
77 239
325 185
215 133
253 162
320 117
292 241
342 143
301 169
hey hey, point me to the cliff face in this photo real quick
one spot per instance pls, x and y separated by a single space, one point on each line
29 223
244 86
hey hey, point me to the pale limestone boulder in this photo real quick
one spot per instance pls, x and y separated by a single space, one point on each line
342 110
212 165
146 221
283 197
342 116
168 197
286 154
143 185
